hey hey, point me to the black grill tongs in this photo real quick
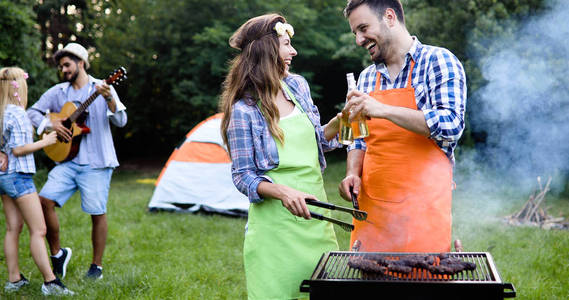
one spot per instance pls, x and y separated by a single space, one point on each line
356 213
346 226
354 199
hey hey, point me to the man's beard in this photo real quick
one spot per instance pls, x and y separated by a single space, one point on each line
382 50
383 45
73 77
379 59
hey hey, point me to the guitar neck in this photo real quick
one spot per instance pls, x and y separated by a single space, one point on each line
73 117
118 75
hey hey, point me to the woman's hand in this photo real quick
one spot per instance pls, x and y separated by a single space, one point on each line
49 139
294 202
333 127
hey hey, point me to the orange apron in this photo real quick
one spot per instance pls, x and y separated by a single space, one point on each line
406 185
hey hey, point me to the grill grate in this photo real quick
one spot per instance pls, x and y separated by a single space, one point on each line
336 266
334 279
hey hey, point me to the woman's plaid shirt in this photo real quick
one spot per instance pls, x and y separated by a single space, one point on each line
18 131
252 147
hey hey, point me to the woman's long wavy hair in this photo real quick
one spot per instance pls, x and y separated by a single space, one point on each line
255 72
11 93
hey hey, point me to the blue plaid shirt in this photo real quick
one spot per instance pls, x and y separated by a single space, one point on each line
252 147
440 92
17 132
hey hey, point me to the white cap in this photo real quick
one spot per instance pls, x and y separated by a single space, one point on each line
76 50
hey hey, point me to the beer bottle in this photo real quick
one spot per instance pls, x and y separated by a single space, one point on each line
359 125
346 134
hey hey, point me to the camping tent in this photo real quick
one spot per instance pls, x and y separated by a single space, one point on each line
197 176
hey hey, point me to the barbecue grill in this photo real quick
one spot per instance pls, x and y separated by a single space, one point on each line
334 279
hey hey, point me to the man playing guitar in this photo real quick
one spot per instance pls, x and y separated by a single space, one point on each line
91 169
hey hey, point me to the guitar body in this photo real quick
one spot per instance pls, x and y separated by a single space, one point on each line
63 151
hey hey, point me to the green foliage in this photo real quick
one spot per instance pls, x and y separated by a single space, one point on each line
20 46
64 21
176 52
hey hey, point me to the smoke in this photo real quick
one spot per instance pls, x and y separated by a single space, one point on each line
523 109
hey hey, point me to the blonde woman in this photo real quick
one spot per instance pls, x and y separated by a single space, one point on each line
276 142
20 200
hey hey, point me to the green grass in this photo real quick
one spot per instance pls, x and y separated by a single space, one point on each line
187 256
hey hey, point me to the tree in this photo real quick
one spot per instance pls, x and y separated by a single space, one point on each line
20 45
176 54
64 21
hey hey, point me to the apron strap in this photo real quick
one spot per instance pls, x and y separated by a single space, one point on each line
291 95
377 82
409 77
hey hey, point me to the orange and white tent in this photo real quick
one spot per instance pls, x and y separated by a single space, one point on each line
197 175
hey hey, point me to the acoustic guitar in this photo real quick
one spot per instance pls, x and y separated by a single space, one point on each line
74 119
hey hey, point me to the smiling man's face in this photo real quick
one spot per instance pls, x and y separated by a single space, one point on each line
371 32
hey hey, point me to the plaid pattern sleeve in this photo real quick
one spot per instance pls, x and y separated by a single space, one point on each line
447 95
252 147
17 133
243 137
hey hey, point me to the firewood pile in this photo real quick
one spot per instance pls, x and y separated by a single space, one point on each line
533 212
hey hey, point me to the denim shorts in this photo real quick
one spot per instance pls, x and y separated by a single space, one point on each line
93 185
17 185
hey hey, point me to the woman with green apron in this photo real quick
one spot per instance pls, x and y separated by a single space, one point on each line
273 132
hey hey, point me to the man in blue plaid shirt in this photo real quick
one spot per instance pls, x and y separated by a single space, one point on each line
414 98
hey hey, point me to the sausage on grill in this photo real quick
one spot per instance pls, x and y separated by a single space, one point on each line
377 263
366 265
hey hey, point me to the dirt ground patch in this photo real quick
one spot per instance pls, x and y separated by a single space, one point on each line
145 165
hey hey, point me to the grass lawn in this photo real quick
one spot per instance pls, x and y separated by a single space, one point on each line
185 256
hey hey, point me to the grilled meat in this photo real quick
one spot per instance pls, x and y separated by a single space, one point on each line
447 265
451 265
366 265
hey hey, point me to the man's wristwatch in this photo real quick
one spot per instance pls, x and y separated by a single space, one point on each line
109 99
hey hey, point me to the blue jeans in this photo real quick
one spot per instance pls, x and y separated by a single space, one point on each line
17 185
93 185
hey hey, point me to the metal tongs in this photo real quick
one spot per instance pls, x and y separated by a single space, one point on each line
357 214
342 224
355 202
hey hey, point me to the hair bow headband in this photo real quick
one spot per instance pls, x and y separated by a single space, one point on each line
281 28
16 86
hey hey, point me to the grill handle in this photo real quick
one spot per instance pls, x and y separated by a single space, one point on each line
305 286
511 293
346 226
355 202
356 246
